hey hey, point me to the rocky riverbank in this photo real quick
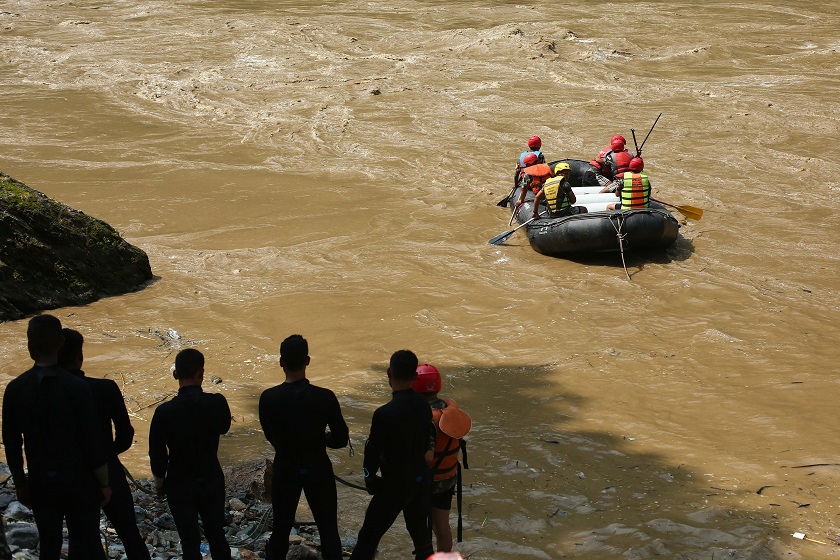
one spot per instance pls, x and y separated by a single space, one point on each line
53 256
247 515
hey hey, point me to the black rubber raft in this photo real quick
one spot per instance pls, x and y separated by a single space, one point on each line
603 231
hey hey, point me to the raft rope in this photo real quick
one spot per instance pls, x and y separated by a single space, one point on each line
618 233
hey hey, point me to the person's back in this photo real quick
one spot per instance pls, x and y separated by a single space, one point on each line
399 445
49 414
401 437
190 426
183 452
116 435
54 412
295 417
633 188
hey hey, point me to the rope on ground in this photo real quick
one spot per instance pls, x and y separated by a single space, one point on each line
137 484
350 484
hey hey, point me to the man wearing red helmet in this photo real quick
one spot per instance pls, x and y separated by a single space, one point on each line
534 177
534 145
618 158
451 424
634 187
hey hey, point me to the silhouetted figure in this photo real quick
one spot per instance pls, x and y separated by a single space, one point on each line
110 409
50 414
294 417
400 445
183 451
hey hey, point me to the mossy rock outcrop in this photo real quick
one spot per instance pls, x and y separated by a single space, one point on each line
53 256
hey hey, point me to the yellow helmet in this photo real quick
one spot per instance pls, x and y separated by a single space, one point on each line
561 166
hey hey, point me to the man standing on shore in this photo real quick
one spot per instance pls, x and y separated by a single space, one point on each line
110 411
50 413
184 456
295 416
400 445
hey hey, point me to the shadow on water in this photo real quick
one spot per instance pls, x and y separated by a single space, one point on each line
539 488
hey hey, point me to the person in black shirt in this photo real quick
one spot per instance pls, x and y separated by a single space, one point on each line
110 408
183 451
294 417
400 446
50 414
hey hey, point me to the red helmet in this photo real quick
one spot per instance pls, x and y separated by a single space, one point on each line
618 138
617 143
534 142
428 379
636 164
530 159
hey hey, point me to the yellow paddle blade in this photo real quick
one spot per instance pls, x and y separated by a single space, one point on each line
690 212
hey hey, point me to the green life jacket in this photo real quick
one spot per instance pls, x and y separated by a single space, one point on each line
555 196
635 192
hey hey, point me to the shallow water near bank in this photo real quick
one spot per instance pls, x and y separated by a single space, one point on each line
333 170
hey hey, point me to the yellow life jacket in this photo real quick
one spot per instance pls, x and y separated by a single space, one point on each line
635 191
555 196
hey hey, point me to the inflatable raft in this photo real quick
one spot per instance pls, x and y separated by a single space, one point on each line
599 230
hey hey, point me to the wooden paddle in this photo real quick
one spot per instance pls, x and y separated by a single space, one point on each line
688 211
504 236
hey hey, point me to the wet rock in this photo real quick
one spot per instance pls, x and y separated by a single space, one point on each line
237 505
16 511
248 525
53 256
139 514
166 521
22 535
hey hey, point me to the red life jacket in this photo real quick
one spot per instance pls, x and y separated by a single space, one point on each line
621 162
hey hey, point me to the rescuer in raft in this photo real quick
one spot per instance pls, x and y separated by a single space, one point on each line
634 187
558 194
534 177
534 145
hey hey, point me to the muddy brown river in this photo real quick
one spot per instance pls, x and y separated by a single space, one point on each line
332 169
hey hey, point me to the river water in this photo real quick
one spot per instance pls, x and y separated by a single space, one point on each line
332 169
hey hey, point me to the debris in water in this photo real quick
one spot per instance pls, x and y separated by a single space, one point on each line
802 537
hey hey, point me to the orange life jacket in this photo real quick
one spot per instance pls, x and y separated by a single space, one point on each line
635 190
452 425
538 174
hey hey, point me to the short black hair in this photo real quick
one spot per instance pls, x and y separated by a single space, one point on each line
404 364
294 351
44 334
72 347
188 362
